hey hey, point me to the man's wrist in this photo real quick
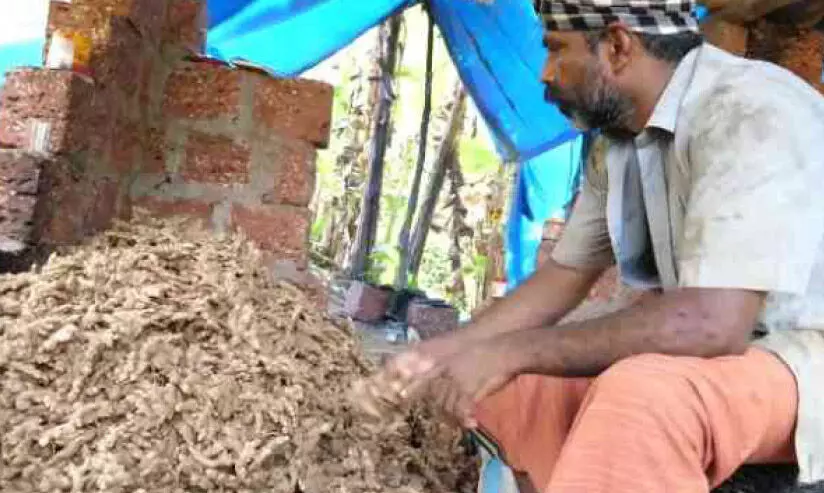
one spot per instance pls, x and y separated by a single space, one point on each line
521 351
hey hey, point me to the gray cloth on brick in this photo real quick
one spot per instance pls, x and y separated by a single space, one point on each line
647 16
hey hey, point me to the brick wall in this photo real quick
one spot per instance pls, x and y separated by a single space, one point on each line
798 49
145 123
236 148
788 43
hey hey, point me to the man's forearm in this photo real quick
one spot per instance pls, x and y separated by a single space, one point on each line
675 324
543 300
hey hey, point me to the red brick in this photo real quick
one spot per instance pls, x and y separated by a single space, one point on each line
54 210
215 159
93 16
19 185
149 16
124 203
47 201
64 206
796 49
202 90
295 108
144 91
295 181
154 157
186 25
117 61
281 231
366 303
103 113
431 320
125 146
174 207
59 98
104 206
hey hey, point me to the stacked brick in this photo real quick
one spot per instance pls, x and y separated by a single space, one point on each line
76 132
237 148
141 121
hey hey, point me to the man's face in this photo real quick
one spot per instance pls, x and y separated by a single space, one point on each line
578 83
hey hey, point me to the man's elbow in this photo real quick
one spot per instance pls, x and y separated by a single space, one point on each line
707 339
717 325
731 341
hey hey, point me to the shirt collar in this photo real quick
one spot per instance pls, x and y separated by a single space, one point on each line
665 114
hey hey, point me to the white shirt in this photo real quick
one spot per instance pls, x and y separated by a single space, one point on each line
726 183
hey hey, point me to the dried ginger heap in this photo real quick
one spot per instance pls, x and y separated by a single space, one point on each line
159 358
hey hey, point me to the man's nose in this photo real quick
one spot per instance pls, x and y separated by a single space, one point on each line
549 72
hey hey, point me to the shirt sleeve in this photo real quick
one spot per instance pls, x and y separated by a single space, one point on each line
585 242
755 214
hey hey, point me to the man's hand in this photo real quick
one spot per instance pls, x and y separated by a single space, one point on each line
404 377
455 374
408 373
470 376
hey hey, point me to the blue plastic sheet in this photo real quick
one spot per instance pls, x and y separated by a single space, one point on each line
543 188
498 52
290 36
22 35
22 54
496 48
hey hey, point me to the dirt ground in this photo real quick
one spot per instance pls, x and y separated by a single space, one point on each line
158 358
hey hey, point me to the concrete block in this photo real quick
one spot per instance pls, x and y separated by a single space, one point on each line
175 207
431 320
366 303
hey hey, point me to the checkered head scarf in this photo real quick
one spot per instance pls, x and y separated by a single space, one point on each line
645 16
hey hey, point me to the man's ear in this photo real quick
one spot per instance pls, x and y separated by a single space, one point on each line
620 45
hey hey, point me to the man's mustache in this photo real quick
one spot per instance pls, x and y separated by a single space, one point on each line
552 94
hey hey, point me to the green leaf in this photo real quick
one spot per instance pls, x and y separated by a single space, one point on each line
477 158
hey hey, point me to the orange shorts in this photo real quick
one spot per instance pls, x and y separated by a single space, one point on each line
650 423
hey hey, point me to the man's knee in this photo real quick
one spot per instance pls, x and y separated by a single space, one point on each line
530 406
649 382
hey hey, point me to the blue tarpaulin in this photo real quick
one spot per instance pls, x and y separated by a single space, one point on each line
290 36
496 48
498 52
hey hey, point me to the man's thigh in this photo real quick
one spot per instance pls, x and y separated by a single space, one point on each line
746 405
698 419
531 417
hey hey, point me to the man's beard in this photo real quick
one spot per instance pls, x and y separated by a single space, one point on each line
595 104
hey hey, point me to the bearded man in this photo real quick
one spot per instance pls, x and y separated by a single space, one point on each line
705 188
